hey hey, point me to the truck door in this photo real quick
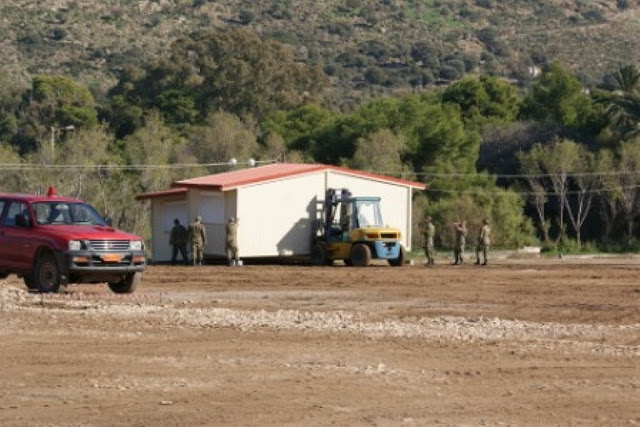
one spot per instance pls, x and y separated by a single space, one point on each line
3 252
16 237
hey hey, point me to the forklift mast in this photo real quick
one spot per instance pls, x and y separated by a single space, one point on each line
333 198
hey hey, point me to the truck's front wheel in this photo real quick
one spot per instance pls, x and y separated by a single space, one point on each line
128 284
46 276
320 254
360 255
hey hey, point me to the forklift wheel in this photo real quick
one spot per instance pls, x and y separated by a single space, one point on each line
398 262
360 255
320 254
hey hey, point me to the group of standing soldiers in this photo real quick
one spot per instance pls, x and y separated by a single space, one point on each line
460 238
196 237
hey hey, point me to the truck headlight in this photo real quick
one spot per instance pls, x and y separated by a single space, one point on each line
75 245
136 245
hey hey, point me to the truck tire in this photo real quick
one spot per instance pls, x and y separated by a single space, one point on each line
398 262
128 284
360 255
29 282
320 254
46 277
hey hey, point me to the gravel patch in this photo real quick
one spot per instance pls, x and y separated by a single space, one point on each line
605 339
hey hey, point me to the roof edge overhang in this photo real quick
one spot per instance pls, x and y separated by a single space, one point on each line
241 183
383 178
178 191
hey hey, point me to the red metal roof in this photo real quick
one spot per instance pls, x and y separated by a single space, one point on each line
229 180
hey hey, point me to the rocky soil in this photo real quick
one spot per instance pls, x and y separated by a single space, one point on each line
519 342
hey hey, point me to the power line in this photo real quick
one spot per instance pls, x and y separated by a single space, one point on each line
37 166
529 193
540 175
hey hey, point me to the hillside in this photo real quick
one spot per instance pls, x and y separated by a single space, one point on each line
366 46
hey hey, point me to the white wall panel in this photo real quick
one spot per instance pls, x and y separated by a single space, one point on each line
276 218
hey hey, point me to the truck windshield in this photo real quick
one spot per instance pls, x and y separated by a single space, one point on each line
369 213
66 213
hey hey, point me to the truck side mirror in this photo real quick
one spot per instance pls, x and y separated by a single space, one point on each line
108 220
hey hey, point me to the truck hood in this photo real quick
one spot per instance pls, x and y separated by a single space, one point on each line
86 232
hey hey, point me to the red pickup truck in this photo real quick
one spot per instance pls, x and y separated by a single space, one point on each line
51 241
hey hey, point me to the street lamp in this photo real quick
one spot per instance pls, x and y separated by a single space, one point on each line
55 130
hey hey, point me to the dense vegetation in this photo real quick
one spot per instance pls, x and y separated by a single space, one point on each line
551 157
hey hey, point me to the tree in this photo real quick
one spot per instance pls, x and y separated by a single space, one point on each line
152 144
299 126
223 137
559 98
531 168
54 101
609 199
11 178
585 181
558 161
621 98
381 152
628 182
486 99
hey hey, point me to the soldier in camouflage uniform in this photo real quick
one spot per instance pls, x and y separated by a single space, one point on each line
460 229
429 234
232 242
178 241
484 240
198 239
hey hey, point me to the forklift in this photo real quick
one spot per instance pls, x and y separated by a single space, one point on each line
351 229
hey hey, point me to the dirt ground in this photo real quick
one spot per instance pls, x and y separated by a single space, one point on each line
519 342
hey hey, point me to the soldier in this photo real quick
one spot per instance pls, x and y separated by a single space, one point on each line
484 240
178 241
429 234
232 242
198 239
460 229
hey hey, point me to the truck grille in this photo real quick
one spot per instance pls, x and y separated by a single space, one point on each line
109 245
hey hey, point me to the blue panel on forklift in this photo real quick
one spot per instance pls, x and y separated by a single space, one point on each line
387 250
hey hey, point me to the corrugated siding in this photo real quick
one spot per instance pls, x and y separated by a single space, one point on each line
276 218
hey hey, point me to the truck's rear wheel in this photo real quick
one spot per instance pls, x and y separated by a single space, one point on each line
46 275
128 284
398 262
360 255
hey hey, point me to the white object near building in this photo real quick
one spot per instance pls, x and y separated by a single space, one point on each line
277 206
